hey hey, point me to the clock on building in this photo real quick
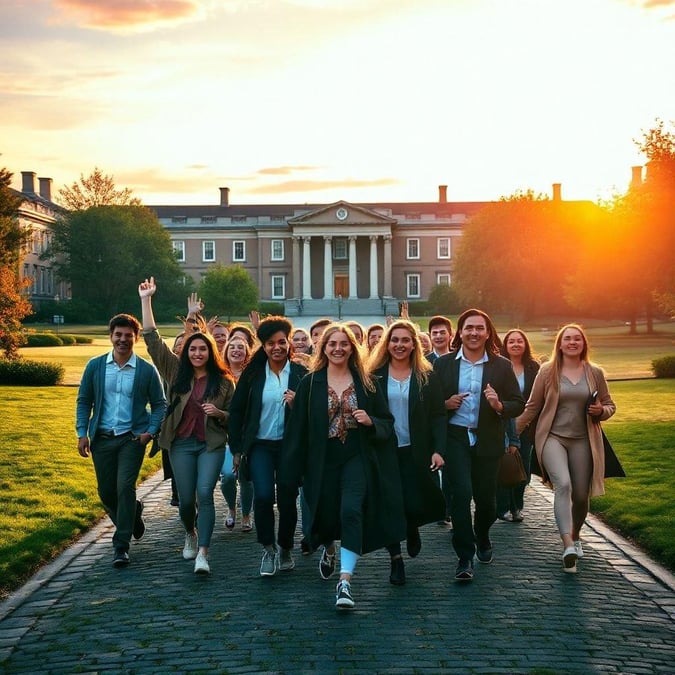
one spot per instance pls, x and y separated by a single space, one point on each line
341 213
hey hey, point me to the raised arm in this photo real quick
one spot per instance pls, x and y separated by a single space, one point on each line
146 289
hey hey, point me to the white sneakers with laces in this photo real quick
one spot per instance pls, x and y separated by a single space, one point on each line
190 549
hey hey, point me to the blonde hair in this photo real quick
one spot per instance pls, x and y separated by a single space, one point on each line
556 354
319 359
380 355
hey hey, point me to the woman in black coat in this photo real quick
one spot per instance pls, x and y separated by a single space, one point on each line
258 416
415 399
339 445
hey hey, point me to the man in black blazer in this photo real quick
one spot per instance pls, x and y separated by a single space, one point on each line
480 391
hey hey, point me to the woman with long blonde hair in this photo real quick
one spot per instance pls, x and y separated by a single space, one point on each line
571 398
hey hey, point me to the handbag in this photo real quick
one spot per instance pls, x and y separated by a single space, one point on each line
511 470
613 468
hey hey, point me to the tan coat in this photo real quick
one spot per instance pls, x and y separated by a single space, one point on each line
543 402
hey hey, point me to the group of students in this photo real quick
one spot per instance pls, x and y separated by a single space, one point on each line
358 422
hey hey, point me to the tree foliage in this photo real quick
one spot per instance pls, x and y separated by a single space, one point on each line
228 291
514 255
107 250
95 190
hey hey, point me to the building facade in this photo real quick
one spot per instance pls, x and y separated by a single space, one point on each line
316 259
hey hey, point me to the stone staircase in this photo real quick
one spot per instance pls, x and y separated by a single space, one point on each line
341 309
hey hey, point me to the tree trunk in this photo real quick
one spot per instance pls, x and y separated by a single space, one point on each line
649 311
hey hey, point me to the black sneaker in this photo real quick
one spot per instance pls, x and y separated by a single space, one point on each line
464 571
327 564
120 558
397 575
484 554
139 525
343 595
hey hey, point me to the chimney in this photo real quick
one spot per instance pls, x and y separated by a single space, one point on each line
557 192
224 196
442 194
636 176
46 188
28 182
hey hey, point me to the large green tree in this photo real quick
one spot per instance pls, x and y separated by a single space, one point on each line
14 306
228 291
628 265
514 254
96 189
105 251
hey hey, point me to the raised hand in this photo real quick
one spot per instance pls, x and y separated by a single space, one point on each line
194 304
147 288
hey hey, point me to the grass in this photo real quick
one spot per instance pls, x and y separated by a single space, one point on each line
49 492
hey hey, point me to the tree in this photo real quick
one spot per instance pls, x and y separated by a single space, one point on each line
628 267
443 300
106 251
515 254
228 291
14 306
95 190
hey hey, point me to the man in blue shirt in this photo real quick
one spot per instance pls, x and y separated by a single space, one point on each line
480 391
114 426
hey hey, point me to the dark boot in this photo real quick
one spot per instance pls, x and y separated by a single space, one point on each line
397 576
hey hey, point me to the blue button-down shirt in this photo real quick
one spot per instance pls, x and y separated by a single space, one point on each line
116 413
273 408
398 393
471 382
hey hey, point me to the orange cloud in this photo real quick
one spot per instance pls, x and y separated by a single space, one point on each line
285 170
130 14
315 185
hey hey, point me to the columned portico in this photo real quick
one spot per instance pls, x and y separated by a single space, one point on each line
387 266
306 269
352 268
296 267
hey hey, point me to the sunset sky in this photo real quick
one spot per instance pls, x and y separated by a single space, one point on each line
321 100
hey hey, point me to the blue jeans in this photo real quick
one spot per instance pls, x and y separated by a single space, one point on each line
228 486
117 462
264 460
472 477
196 471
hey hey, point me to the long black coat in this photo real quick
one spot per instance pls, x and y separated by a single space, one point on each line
306 441
427 423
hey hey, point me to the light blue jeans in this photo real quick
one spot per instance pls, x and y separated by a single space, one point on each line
228 486
196 471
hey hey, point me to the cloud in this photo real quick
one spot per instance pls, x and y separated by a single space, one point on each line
285 170
316 185
130 14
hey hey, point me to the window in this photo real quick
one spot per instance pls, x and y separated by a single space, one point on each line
278 287
443 247
412 283
179 219
238 251
208 251
413 249
209 219
340 248
443 279
238 219
179 250
277 249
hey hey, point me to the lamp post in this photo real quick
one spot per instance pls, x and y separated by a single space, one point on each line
57 316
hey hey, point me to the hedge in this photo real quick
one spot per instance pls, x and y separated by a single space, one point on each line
664 366
43 340
25 372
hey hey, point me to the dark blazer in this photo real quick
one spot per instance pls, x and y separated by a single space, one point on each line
427 423
147 389
530 370
306 441
499 373
246 405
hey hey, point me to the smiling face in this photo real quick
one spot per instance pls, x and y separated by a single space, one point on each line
236 351
198 354
276 347
440 338
401 345
374 336
300 342
515 345
474 334
572 343
338 348
220 335
123 340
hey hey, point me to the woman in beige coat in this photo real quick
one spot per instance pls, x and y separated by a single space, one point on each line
570 398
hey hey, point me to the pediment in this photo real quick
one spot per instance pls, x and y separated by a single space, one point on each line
341 214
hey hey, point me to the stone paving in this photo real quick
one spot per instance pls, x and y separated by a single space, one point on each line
521 614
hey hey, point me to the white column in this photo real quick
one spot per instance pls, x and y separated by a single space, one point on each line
373 266
352 267
296 267
387 266
328 267
306 269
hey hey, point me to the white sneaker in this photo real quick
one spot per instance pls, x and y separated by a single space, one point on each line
190 549
578 549
269 563
343 595
569 558
202 564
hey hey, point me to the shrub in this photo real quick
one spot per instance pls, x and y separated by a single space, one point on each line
67 339
43 340
664 367
418 308
30 373
83 339
271 308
